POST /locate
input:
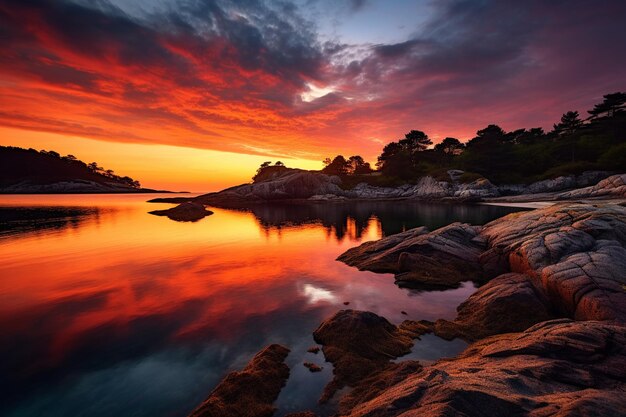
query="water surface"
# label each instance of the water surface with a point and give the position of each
(107, 310)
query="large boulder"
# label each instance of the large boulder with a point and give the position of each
(443, 258)
(508, 303)
(250, 392)
(574, 253)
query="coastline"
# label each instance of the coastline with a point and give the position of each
(551, 295)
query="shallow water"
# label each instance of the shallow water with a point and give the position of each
(107, 310)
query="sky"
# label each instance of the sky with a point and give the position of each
(195, 94)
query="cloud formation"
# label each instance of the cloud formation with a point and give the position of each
(224, 76)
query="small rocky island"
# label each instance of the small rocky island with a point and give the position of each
(547, 326)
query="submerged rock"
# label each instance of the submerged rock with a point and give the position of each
(312, 367)
(250, 392)
(361, 346)
(185, 212)
(360, 343)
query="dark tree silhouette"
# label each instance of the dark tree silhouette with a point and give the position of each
(415, 141)
(358, 166)
(338, 166)
(449, 146)
(570, 124)
(612, 104)
(17, 164)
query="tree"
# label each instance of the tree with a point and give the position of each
(279, 164)
(327, 161)
(415, 141)
(613, 103)
(449, 146)
(357, 166)
(338, 166)
(570, 123)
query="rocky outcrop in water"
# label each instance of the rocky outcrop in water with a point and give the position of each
(250, 392)
(291, 184)
(185, 212)
(549, 330)
(445, 257)
(557, 368)
(571, 256)
(313, 186)
(360, 344)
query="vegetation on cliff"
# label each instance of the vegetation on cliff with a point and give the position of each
(597, 142)
(46, 167)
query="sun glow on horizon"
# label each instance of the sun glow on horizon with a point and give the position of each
(166, 167)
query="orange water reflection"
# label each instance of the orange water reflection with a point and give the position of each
(120, 287)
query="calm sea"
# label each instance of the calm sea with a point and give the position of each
(106, 310)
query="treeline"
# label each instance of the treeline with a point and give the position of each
(19, 164)
(574, 145)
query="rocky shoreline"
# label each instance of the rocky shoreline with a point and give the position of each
(547, 326)
(309, 187)
(76, 186)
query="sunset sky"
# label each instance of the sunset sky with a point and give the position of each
(196, 94)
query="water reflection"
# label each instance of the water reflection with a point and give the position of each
(123, 313)
(22, 220)
(352, 219)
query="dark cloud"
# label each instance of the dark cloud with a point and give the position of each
(206, 68)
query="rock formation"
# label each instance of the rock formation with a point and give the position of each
(612, 187)
(291, 184)
(185, 212)
(445, 257)
(557, 368)
(250, 392)
(548, 330)
(313, 186)
(360, 344)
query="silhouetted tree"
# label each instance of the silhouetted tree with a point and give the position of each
(338, 166)
(415, 141)
(279, 164)
(570, 124)
(357, 166)
(613, 103)
(449, 146)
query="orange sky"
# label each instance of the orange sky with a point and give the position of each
(166, 167)
(195, 95)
